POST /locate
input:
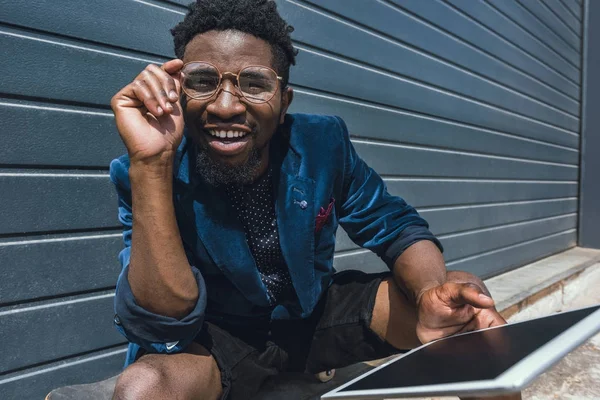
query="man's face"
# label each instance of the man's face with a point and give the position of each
(232, 159)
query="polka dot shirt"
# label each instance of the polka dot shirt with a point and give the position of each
(255, 208)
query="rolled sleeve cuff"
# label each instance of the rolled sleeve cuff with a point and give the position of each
(153, 332)
(410, 236)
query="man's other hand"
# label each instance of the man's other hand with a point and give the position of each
(453, 308)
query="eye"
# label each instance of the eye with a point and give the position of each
(201, 83)
(256, 86)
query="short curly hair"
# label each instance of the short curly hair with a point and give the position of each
(256, 17)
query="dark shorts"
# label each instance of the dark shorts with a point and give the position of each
(336, 335)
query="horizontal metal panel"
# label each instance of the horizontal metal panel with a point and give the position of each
(93, 23)
(498, 261)
(34, 202)
(70, 72)
(395, 23)
(510, 35)
(64, 194)
(452, 192)
(509, 42)
(463, 200)
(91, 85)
(45, 134)
(52, 135)
(409, 95)
(384, 123)
(446, 220)
(565, 15)
(361, 260)
(402, 160)
(57, 329)
(58, 265)
(36, 383)
(184, 3)
(574, 7)
(546, 36)
(108, 22)
(466, 244)
(553, 22)
(484, 265)
(345, 39)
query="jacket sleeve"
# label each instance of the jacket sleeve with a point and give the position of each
(155, 333)
(373, 218)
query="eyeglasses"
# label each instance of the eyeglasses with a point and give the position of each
(257, 84)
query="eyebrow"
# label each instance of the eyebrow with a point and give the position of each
(198, 71)
(253, 74)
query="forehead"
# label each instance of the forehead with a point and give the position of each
(229, 50)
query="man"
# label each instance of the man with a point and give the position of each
(230, 207)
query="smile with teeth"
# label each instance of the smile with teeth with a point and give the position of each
(227, 134)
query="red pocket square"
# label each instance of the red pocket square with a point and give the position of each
(323, 216)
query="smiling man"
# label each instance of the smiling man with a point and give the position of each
(230, 207)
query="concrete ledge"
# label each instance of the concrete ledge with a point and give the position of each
(518, 289)
(577, 291)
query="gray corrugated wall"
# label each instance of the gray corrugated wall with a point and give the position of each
(469, 110)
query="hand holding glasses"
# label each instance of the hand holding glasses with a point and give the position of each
(148, 113)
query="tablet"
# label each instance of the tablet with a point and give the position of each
(499, 360)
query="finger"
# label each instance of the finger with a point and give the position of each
(169, 87)
(468, 293)
(484, 319)
(471, 326)
(155, 83)
(481, 320)
(426, 335)
(172, 66)
(146, 96)
(494, 318)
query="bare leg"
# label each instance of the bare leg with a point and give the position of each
(190, 375)
(395, 318)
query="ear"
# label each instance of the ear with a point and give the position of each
(287, 95)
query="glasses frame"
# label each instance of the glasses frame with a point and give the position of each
(236, 83)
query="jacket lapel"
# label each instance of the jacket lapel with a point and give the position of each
(294, 206)
(221, 233)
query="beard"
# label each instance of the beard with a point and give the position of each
(219, 173)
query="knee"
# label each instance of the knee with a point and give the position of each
(139, 381)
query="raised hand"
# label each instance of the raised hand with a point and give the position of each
(148, 113)
(453, 308)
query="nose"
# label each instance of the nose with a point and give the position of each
(227, 104)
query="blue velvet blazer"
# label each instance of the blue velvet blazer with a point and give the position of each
(319, 183)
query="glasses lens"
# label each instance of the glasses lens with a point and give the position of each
(200, 79)
(258, 84)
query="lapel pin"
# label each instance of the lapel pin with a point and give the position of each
(303, 204)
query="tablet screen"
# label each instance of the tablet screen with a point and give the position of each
(476, 356)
